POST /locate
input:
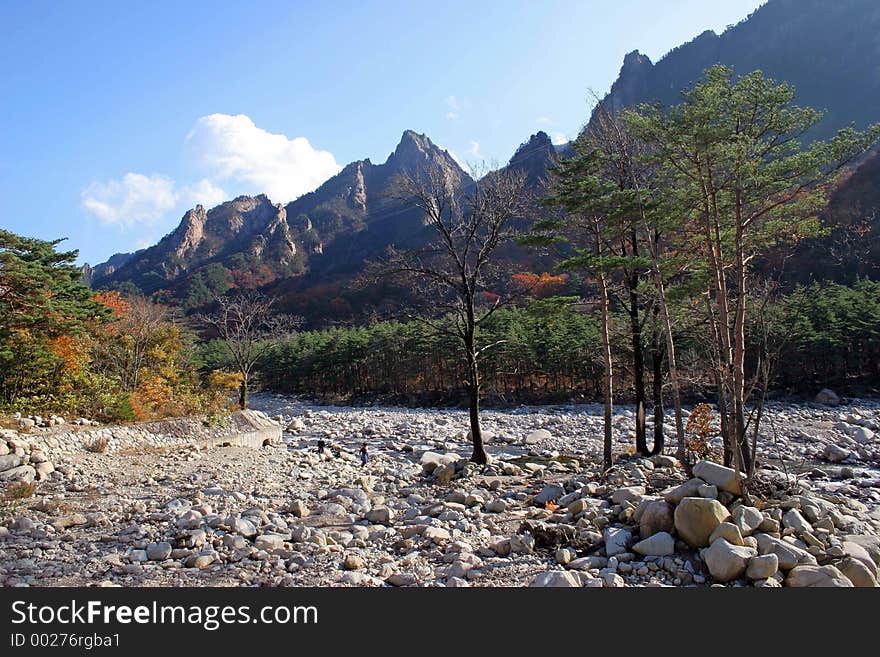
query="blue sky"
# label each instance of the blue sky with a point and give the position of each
(119, 116)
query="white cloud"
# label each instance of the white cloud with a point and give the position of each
(204, 192)
(138, 199)
(559, 138)
(474, 150)
(134, 199)
(233, 149)
(544, 120)
(454, 107)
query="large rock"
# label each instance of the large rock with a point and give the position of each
(729, 532)
(834, 453)
(631, 494)
(762, 567)
(158, 551)
(617, 540)
(269, 542)
(537, 436)
(817, 577)
(656, 517)
(430, 461)
(747, 519)
(24, 473)
(859, 552)
(557, 578)
(857, 573)
(790, 556)
(828, 397)
(796, 521)
(718, 475)
(549, 493)
(689, 488)
(696, 518)
(725, 560)
(660, 544)
(9, 461)
(380, 514)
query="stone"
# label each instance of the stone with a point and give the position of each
(727, 531)
(747, 519)
(762, 567)
(380, 514)
(859, 552)
(588, 563)
(430, 461)
(827, 397)
(796, 521)
(200, 561)
(269, 542)
(817, 577)
(862, 435)
(725, 560)
(617, 540)
(295, 425)
(631, 494)
(496, 506)
(401, 579)
(537, 436)
(565, 556)
(243, 527)
(549, 493)
(23, 473)
(790, 556)
(522, 544)
(718, 475)
(445, 474)
(696, 518)
(44, 469)
(857, 573)
(664, 461)
(659, 544)
(353, 562)
(834, 453)
(656, 517)
(687, 489)
(556, 578)
(436, 534)
(579, 506)
(298, 508)
(159, 551)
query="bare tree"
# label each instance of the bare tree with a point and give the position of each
(249, 329)
(455, 270)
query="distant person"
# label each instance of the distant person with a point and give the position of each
(321, 445)
(363, 454)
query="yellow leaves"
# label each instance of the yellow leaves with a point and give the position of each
(223, 380)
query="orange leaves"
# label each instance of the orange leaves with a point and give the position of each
(540, 286)
(72, 351)
(114, 302)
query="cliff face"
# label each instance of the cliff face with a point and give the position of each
(827, 50)
(353, 215)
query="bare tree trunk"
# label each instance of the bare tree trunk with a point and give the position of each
(638, 369)
(608, 383)
(657, 362)
(670, 359)
(243, 392)
(479, 454)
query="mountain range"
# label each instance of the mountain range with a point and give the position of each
(308, 251)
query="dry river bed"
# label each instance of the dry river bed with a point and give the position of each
(541, 514)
